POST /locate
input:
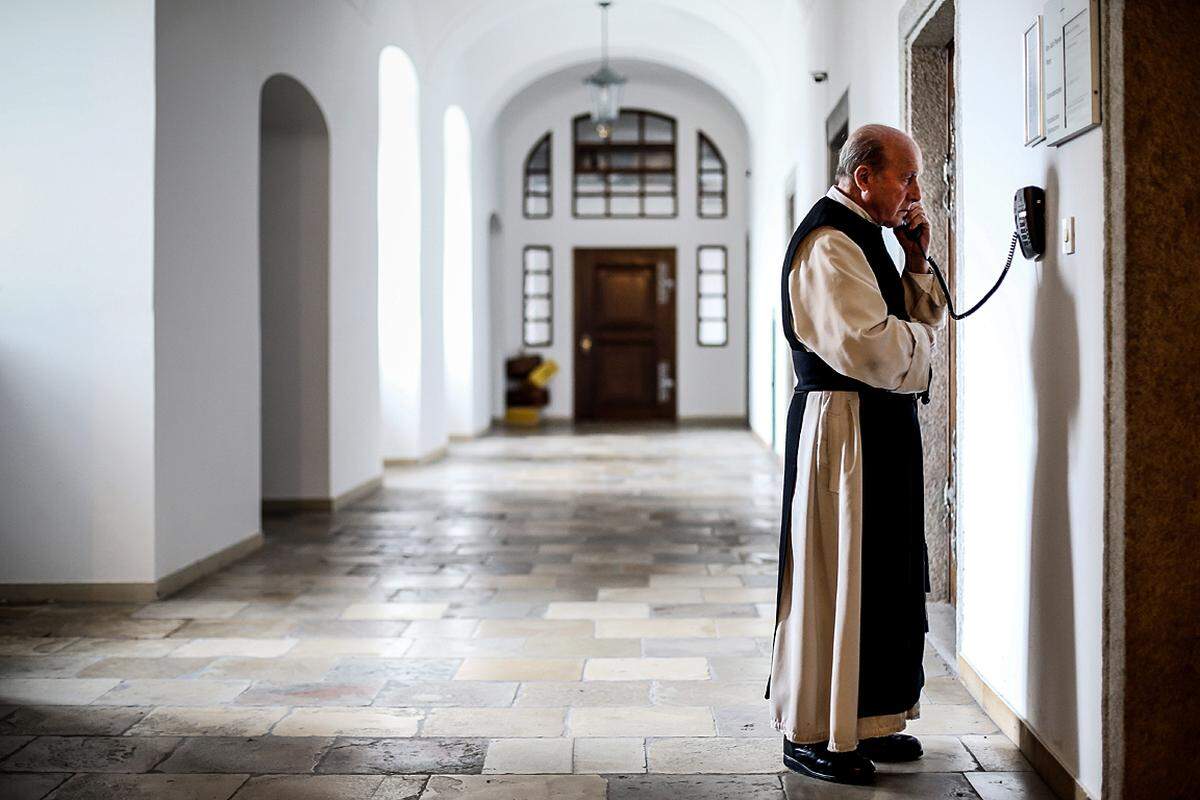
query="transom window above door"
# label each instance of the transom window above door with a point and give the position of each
(629, 174)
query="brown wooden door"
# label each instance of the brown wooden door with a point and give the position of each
(624, 334)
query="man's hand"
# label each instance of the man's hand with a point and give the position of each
(914, 220)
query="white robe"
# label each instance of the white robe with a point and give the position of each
(839, 314)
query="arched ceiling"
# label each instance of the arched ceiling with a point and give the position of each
(486, 51)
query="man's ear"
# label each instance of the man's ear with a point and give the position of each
(862, 177)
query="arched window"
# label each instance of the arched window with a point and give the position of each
(711, 179)
(629, 174)
(538, 192)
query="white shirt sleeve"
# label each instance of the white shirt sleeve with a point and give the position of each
(839, 314)
(923, 298)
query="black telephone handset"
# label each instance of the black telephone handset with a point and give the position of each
(1029, 215)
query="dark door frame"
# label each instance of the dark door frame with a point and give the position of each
(664, 261)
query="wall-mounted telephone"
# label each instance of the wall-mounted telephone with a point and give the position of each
(1029, 216)
(1029, 212)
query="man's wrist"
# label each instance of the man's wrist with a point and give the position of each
(917, 264)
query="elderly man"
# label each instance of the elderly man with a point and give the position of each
(853, 571)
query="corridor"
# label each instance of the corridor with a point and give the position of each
(568, 614)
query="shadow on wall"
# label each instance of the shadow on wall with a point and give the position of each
(1054, 354)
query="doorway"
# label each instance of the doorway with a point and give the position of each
(930, 118)
(293, 225)
(625, 334)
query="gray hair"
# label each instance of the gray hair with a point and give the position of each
(866, 147)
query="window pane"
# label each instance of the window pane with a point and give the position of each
(624, 182)
(712, 182)
(712, 206)
(661, 159)
(708, 160)
(586, 206)
(537, 283)
(539, 160)
(622, 205)
(659, 130)
(537, 308)
(660, 183)
(657, 206)
(712, 308)
(537, 334)
(713, 334)
(626, 129)
(712, 259)
(585, 131)
(537, 206)
(589, 183)
(538, 183)
(537, 259)
(624, 159)
(712, 283)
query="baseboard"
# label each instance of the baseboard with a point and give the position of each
(319, 505)
(428, 458)
(169, 584)
(131, 592)
(717, 421)
(1044, 762)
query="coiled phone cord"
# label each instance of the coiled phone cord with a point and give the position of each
(937, 273)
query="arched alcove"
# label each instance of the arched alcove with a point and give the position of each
(293, 216)
(458, 295)
(399, 231)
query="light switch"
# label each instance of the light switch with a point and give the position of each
(1068, 235)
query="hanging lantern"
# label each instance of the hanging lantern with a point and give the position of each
(605, 85)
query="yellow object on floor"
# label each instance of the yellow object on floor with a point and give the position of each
(523, 416)
(542, 373)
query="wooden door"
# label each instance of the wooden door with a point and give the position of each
(624, 334)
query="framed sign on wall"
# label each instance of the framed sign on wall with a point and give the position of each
(1035, 108)
(1071, 68)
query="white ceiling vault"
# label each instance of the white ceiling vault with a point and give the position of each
(485, 52)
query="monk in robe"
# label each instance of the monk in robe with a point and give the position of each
(850, 626)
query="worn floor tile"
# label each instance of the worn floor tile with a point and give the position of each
(494, 722)
(395, 611)
(520, 669)
(657, 628)
(308, 787)
(446, 756)
(401, 787)
(632, 669)
(280, 628)
(318, 693)
(679, 787)
(29, 786)
(945, 690)
(349, 722)
(462, 648)
(500, 787)
(366, 668)
(124, 648)
(554, 647)
(598, 611)
(942, 754)
(633, 721)
(183, 692)
(215, 721)
(260, 754)
(528, 756)
(448, 629)
(1009, 786)
(465, 694)
(951, 720)
(33, 645)
(322, 647)
(753, 721)
(160, 668)
(597, 756)
(995, 752)
(150, 787)
(245, 648)
(922, 786)
(53, 691)
(90, 754)
(71, 720)
(527, 628)
(714, 647)
(714, 755)
(647, 595)
(189, 609)
(553, 694)
(57, 666)
(273, 670)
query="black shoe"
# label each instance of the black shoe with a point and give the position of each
(894, 747)
(816, 761)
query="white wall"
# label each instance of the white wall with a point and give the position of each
(711, 380)
(213, 60)
(76, 315)
(1030, 443)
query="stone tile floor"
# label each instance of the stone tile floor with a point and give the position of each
(566, 615)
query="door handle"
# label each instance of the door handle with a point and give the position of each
(585, 343)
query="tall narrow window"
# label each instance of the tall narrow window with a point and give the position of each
(711, 179)
(538, 192)
(712, 296)
(629, 174)
(537, 296)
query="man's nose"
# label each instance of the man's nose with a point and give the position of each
(914, 194)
